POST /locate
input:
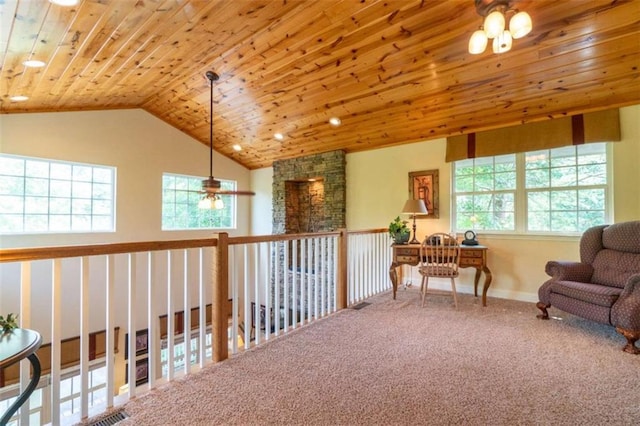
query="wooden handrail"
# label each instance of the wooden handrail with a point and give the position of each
(280, 237)
(42, 253)
(56, 252)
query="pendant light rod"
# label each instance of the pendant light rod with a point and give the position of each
(212, 76)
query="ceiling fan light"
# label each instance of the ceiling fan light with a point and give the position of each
(503, 42)
(205, 203)
(494, 24)
(477, 42)
(520, 25)
(218, 203)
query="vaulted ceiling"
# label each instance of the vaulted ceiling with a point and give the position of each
(393, 71)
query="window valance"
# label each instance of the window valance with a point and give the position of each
(599, 126)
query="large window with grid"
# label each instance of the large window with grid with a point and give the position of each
(180, 197)
(555, 191)
(39, 195)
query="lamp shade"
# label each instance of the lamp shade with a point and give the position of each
(520, 25)
(477, 42)
(415, 207)
(503, 42)
(494, 24)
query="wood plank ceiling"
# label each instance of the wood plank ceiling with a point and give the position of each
(393, 71)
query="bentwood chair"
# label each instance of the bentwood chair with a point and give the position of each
(439, 258)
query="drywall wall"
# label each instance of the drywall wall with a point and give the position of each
(140, 146)
(377, 187)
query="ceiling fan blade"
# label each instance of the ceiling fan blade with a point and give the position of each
(224, 192)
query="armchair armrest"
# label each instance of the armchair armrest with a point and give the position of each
(625, 313)
(569, 271)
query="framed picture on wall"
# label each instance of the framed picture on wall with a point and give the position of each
(142, 372)
(424, 185)
(142, 343)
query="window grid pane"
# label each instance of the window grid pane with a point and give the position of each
(180, 197)
(564, 191)
(485, 189)
(41, 196)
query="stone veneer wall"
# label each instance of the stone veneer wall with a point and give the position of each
(331, 168)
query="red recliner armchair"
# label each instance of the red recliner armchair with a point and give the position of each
(605, 285)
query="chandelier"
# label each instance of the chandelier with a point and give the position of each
(494, 26)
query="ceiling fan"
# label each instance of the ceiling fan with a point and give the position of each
(211, 187)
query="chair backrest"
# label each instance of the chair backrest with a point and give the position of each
(440, 255)
(613, 251)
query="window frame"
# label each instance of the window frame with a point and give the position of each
(521, 198)
(72, 199)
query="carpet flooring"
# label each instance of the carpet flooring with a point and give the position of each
(395, 363)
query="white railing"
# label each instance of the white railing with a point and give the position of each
(197, 286)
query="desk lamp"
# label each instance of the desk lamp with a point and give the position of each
(414, 207)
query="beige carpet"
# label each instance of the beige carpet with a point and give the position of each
(395, 363)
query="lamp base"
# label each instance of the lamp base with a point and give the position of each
(414, 240)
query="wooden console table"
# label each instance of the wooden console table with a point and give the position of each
(15, 346)
(470, 257)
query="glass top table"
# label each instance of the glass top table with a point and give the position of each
(16, 345)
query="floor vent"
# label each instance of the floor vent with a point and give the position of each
(111, 419)
(360, 305)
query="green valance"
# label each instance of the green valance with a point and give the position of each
(599, 126)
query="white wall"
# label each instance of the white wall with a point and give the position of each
(262, 203)
(377, 187)
(140, 146)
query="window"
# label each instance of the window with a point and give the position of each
(39, 196)
(180, 197)
(562, 190)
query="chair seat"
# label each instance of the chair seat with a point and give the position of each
(440, 271)
(587, 292)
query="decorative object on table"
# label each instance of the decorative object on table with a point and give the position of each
(9, 323)
(470, 238)
(415, 207)
(424, 185)
(399, 231)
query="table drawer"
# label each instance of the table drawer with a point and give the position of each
(470, 253)
(470, 261)
(408, 259)
(408, 252)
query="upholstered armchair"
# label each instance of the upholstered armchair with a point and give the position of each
(605, 285)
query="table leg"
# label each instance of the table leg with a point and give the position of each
(35, 378)
(487, 283)
(476, 280)
(393, 275)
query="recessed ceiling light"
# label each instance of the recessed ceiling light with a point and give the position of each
(65, 2)
(237, 147)
(335, 121)
(33, 63)
(278, 136)
(19, 98)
